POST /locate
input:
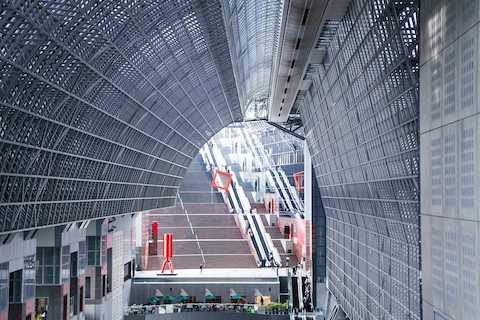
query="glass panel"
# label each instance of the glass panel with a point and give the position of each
(29, 278)
(4, 279)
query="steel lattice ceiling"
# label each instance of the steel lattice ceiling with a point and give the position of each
(103, 105)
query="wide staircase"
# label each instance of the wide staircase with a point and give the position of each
(204, 231)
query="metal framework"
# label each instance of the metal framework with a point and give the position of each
(103, 105)
(362, 128)
(253, 30)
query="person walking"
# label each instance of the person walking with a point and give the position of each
(201, 268)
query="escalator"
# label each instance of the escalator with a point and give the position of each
(253, 240)
(278, 185)
(294, 294)
(262, 239)
(289, 193)
(237, 198)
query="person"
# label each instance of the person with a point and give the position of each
(261, 301)
(273, 264)
(201, 268)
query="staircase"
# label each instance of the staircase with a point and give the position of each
(196, 186)
(274, 231)
(204, 231)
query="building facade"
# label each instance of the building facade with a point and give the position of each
(103, 106)
(449, 133)
(361, 123)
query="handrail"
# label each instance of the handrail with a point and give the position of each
(272, 183)
(283, 192)
(256, 235)
(291, 193)
(273, 249)
(285, 189)
(253, 148)
(219, 161)
(238, 189)
(260, 234)
(231, 194)
(236, 202)
(243, 222)
(217, 155)
(279, 182)
(300, 290)
(253, 240)
(210, 161)
(267, 159)
(259, 237)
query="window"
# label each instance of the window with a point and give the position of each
(74, 264)
(29, 277)
(88, 282)
(127, 271)
(65, 264)
(104, 249)
(48, 265)
(81, 258)
(72, 306)
(15, 287)
(104, 285)
(109, 270)
(3, 287)
(93, 250)
(81, 302)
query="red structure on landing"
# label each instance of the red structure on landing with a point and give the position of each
(221, 180)
(167, 251)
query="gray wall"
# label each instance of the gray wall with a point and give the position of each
(450, 159)
(360, 117)
(15, 251)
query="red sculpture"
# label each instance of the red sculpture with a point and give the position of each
(167, 251)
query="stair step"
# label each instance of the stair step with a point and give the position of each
(202, 229)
